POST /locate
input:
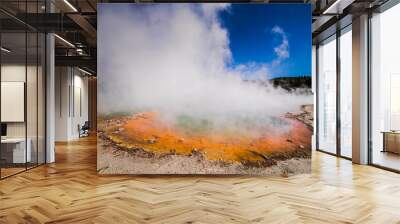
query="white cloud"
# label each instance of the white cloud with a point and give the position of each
(282, 50)
(174, 58)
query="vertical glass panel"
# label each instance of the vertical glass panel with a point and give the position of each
(31, 87)
(385, 87)
(31, 98)
(346, 93)
(327, 95)
(13, 86)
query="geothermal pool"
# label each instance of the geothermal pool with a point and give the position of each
(242, 142)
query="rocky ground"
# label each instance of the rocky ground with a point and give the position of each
(305, 116)
(116, 161)
(113, 159)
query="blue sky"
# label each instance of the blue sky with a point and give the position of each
(275, 36)
(252, 40)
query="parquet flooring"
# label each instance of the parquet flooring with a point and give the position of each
(70, 191)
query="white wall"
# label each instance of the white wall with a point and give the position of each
(12, 73)
(62, 81)
(33, 127)
(70, 84)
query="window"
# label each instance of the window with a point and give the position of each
(346, 92)
(385, 89)
(327, 95)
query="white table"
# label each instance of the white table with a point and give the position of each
(19, 154)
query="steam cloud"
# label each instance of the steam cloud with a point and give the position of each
(174, 58)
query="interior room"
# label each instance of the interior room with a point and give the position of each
(22, 104)
(142, 111)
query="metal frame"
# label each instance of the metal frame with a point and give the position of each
(316, 97)
(26, 89)
(369, 90)
(338, 98)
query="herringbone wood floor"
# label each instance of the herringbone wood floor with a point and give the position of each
(70, 191)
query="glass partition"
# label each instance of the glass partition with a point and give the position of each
(327, 95)
(346, 92)
(13, 145)
(22, 101)
(31, 97)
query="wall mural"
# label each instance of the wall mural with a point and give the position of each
(204, 89)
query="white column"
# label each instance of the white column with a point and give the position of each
(360, 90)
(50, 99)
(50, 92)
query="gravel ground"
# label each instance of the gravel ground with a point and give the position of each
(117, 161)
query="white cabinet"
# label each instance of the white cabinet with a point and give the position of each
(17, 147)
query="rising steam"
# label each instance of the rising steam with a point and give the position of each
(175, 59)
